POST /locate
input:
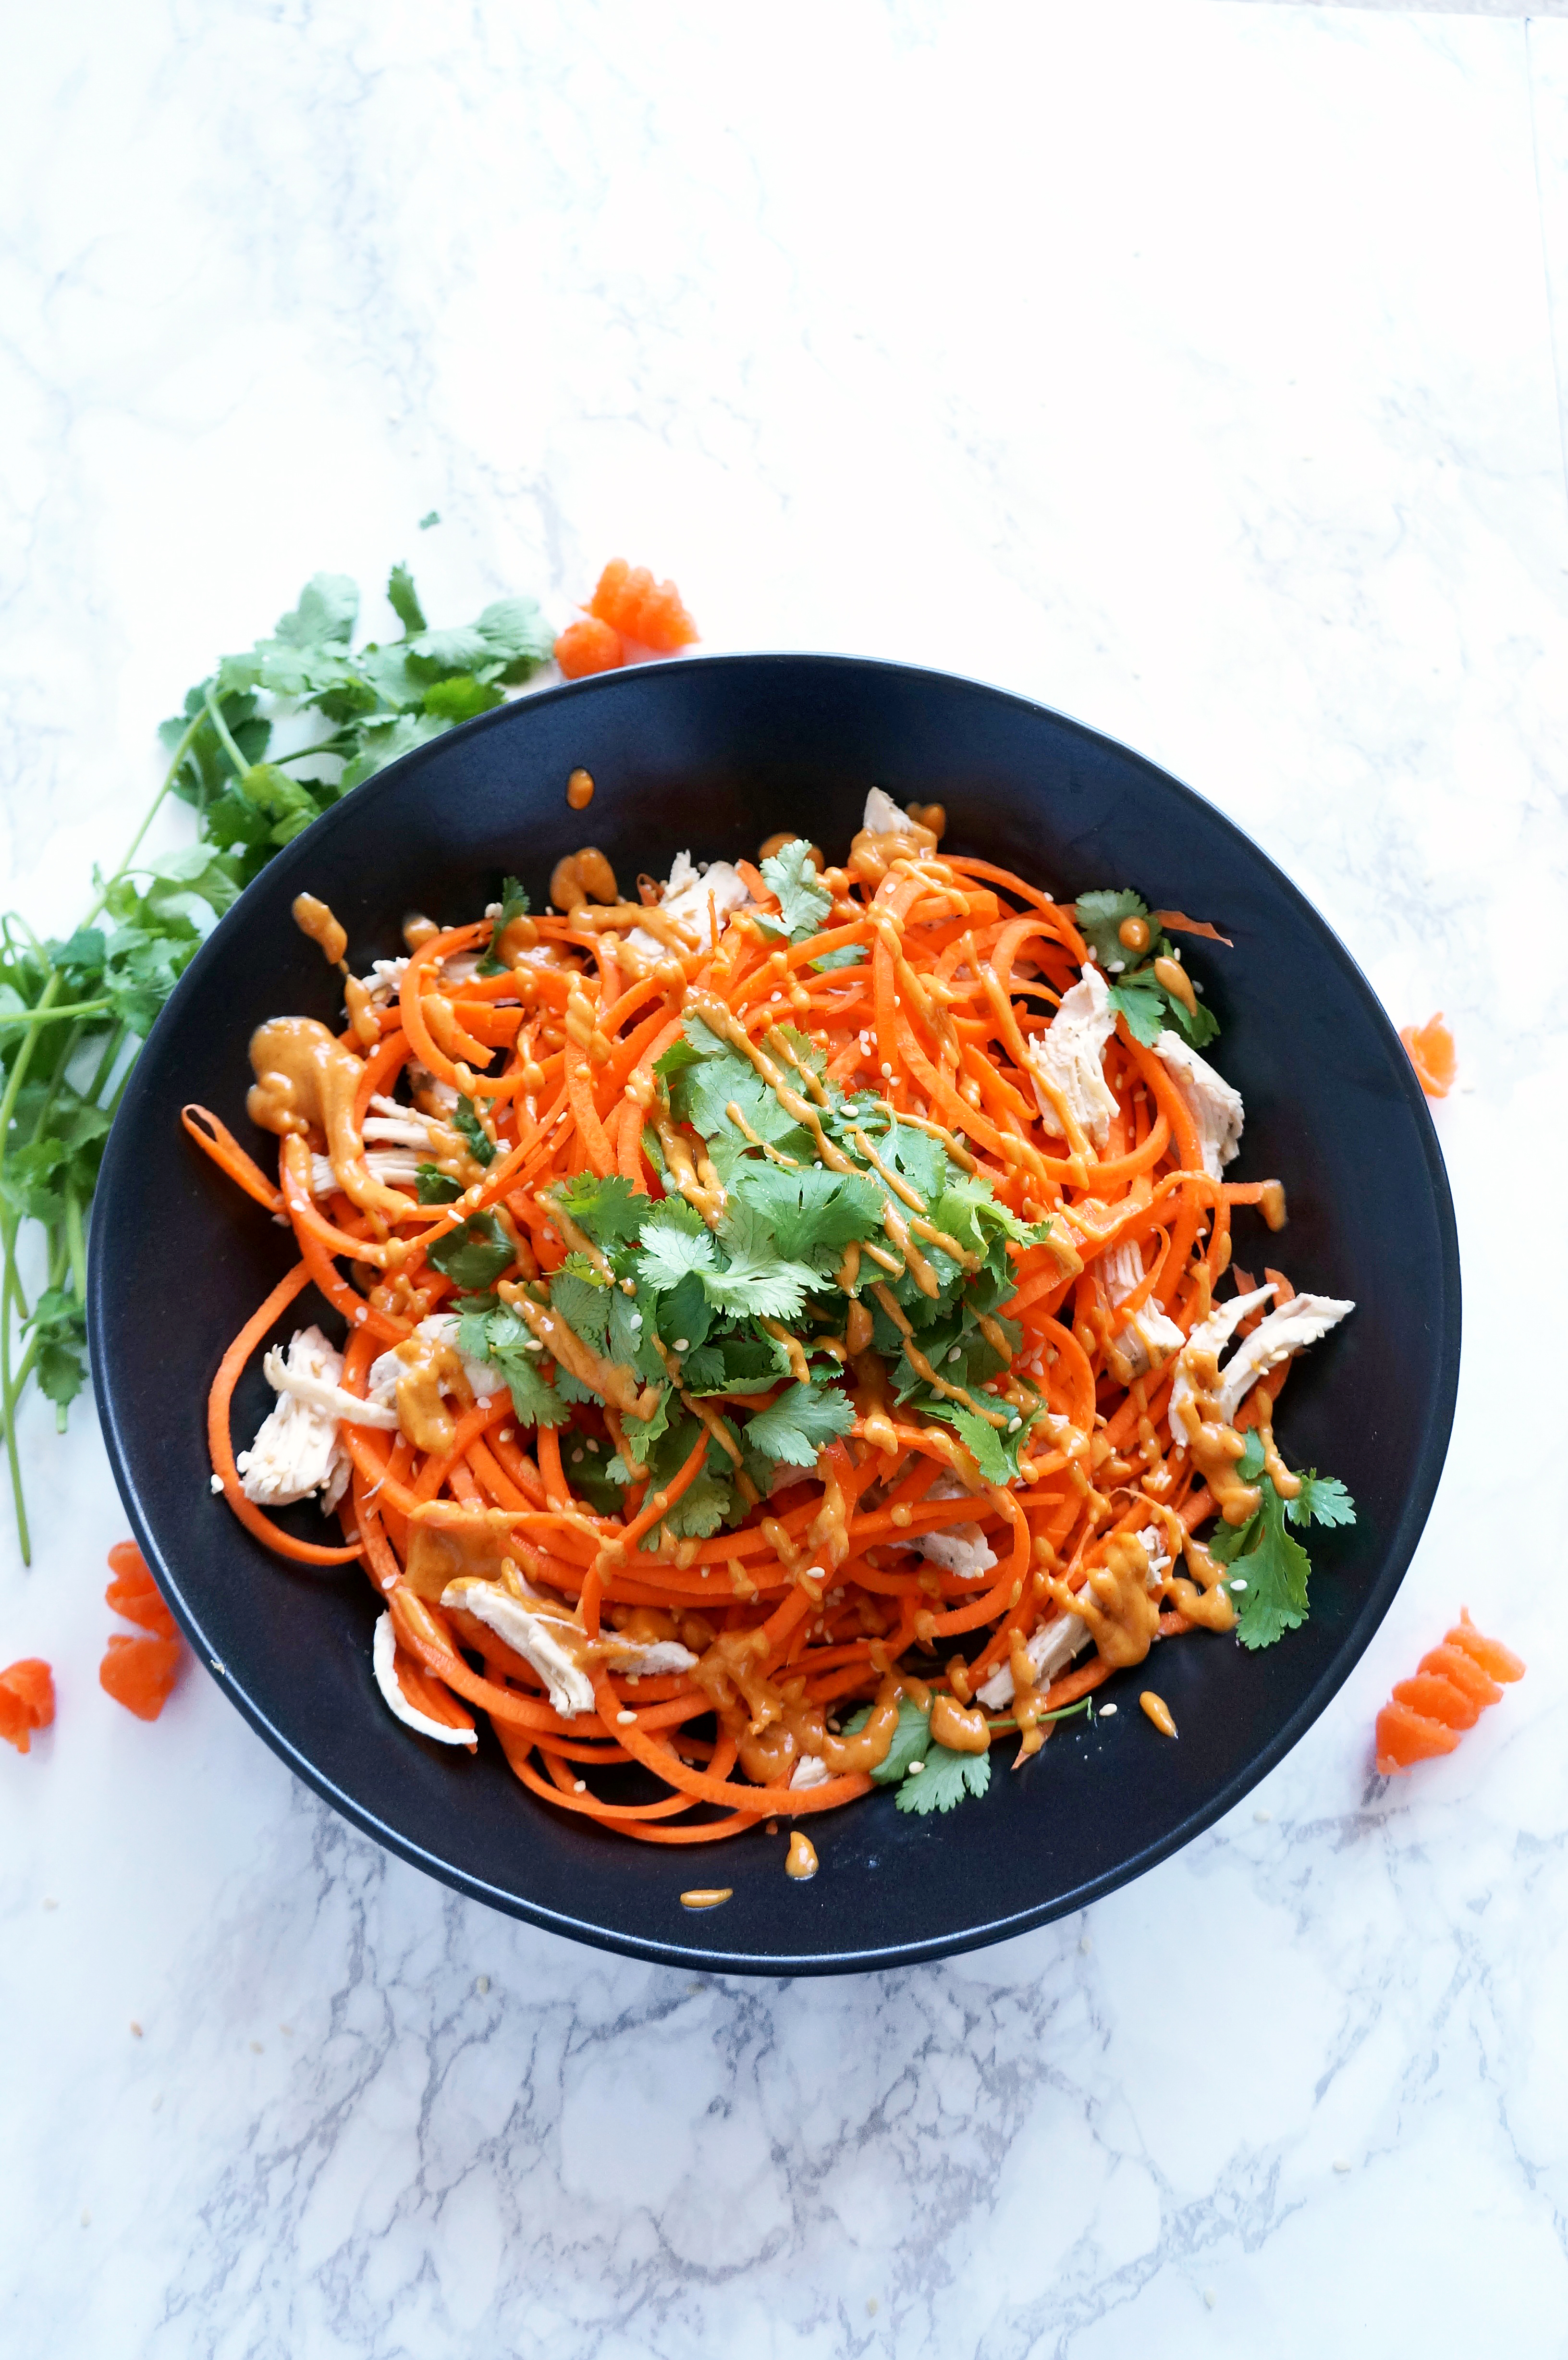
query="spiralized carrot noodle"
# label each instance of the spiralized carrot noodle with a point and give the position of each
(759, 1304)
(1453, 1685)
(1432, 1053)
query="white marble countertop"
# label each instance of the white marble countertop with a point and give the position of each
(1189, 367)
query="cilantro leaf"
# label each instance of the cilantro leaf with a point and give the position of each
(404, 600)
(1249, 1466)
(465, 1117)
(1100, 916)
(846, 954)
(631, 1336)
(811, 1211)
(799, 1423)
(911, 1739)
(755, 1281)
(943, 1781)
(433, 1186)
(607, 1210)
(1275, 1570)
(326, 615)
(504, 1339)
(514, 904)
(668, 1251)
(475, 1254)
(697, 1514)
(983, 1439)
(1322, 1500)
(582, 1300)
(1145, 1006)
(803, 901)
(1197, 1027)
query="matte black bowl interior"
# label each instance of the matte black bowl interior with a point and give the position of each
(712, 754)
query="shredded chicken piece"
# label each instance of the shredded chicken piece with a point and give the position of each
(1050, 1648)
(1302, 1321)
(533, 1635)
(961, 1549)
(686, 898)
(1209, 1098)
(384, 1662)
(484, 1381)
(297, 1451)
(1209, 1338)
(1069, 1054)
(1149, 1334)
(811, 1770)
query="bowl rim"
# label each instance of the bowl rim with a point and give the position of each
(1395, 1554)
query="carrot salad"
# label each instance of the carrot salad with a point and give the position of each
(773, 1333)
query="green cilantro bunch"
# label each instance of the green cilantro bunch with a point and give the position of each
(704, 1312)
(73, 1012)
(1150, 1006)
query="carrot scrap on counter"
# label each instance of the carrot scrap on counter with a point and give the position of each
(1453, 1685)
(139, 1673)
(27, 1700)
(1432, 1053)
(628, 597)
(588, 647)
(134, 1594)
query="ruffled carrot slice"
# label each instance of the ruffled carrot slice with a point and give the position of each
(140, 1672)
(27, 1700)
(137, 1597)
(588, 647)
(1432, 1053)
(1439, 1699)
(1501, 1661)
(628, 597)
(1452, 1664)
(1404, 1737)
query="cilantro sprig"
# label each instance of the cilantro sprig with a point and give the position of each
(1150, 1006)
(264, 745)
(1269, 1570)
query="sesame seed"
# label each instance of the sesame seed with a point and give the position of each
(1239, 1584)
(886, 1072)
(915, 1768)
(577, 1458)
(1105, 1712)
(682, 1343)
(626, 1719)
(579, 1785)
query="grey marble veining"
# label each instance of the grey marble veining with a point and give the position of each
(1191, 366)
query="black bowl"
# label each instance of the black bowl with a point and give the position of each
(712, 755)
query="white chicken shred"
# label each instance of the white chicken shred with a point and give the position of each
(1149, 1335)
(1304, 1321)
(441, 1328)
(1209, 1098)
(691, 897)
(297, 1451)
(384, 1662)
(811, 1770)
(1069, 1056)
(1049, 1649)
(533, 1636)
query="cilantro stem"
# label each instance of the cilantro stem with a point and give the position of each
(106, 1062)
(221, 728)
(56, 1015)
(135, 844)
(76, 1243)
(7, 1292)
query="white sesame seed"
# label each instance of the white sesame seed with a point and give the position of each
(626, 1719)
(1105, 1712)
(579, 1785)
(682, 1343)
(915, 1769)
(886, 1072)
(1239, 1584)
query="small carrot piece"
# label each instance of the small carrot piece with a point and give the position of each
(1452, 1687)
(1432, 1053)
(1404, 1737)
(1499, 1662)
(140, 1672)
(1439, 1699)
(588, 647)
(1463, 1671)
(139, 1600)
(629, 598)
(27, 1700)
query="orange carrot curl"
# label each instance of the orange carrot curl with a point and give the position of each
(1453, 1685)
(1432, 1053)
(140, 1672)
(27, 1700)
(746, 1334)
